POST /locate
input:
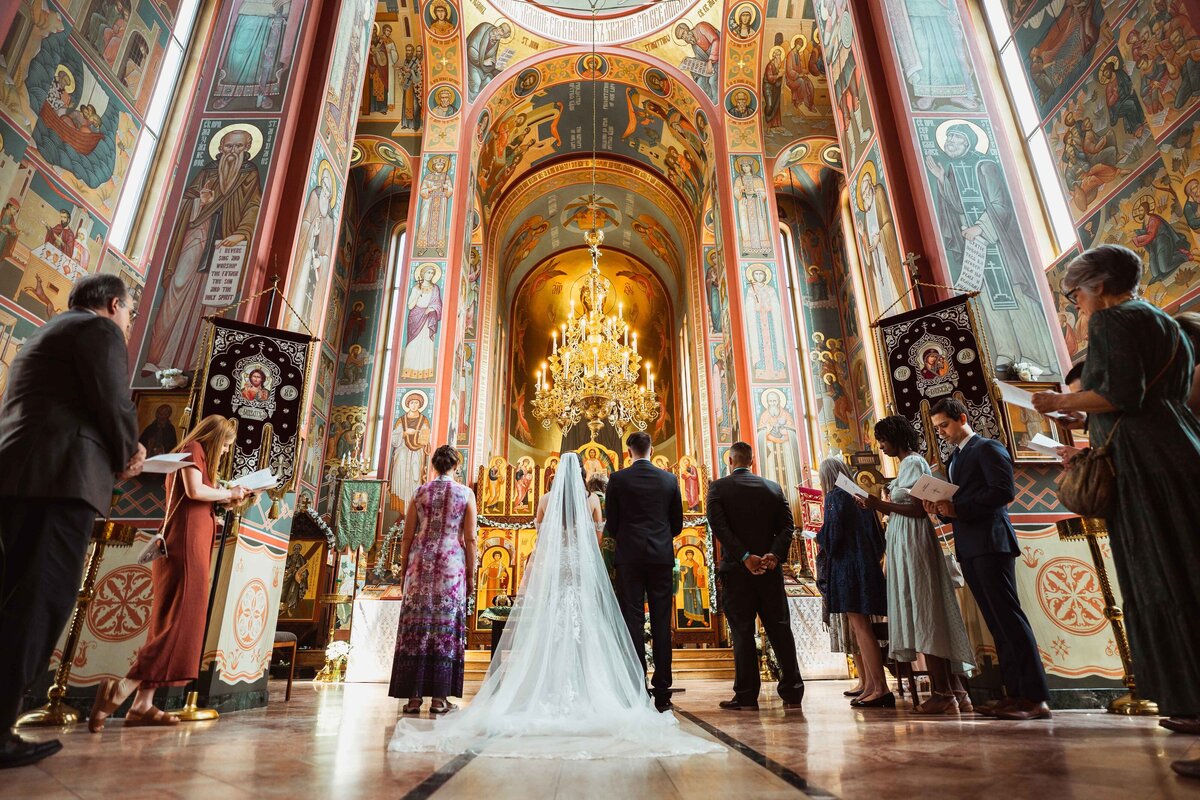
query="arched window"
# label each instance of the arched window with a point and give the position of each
(147, 150)
(395, 307)
(1037, 147)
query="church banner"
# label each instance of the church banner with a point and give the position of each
(935, 352)
(258, 376)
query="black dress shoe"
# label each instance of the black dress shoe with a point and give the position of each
(738, 705)
(1182, 725)
(663, 706)
(18, 752)
(1188, 769)
(883, 701)
(852, 693)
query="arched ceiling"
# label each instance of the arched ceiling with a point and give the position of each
(641, 114)
(548, 211)
(378, 169)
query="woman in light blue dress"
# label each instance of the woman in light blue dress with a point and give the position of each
(923, 613)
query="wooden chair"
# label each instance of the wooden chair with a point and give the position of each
(285, 641)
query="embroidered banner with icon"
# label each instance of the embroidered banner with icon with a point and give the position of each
(935, 352)
(357, 513)
(258, 376)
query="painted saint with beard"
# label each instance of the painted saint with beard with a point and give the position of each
(310, 274)
(219, 209)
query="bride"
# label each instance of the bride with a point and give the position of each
(565, 681)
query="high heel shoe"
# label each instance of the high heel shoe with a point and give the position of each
(883, 701)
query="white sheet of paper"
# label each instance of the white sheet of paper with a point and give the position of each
(1015, 395)
(807, 534)
(850, 486)
(254, 481)
(166, 463)
(933, 489)
(1044, 444)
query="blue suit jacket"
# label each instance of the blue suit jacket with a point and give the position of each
(983, 472)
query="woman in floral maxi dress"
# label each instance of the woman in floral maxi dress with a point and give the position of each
(439, 544)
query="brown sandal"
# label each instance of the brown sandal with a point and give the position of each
(154, 718)
(104, 705)
(410, 708)
(441, 707)
(938, 704)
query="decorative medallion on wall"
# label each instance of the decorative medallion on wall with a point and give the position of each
(1070, 595)
(120, 607)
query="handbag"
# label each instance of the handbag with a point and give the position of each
(952, 566)
(156, 548)
(1089, 487)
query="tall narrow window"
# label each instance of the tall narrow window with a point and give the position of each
(391, 332)
(144, 152)
(1045, 174)
(685, 383)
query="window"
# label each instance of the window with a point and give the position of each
(685, 379)
(792, 273)
(148, 140)
(390, 331)
(1045, 173)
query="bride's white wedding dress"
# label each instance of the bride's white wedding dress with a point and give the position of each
(565, 682)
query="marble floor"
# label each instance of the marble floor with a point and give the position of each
(329, 742)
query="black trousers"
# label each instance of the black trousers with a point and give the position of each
(745, 596)
(992, 579)
(639, 585)
(42, 547)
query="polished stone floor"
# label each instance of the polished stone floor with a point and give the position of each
(329, 742)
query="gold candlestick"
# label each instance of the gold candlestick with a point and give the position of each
(1093, 530)
(57, 713)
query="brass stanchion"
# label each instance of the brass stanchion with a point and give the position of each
(1093, 530)
(332, 672)
(57, 713)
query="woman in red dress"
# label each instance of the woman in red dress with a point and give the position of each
(171, 654)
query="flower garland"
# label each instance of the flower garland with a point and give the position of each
(385, 565)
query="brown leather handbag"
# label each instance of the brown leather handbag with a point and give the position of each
(1089, 487)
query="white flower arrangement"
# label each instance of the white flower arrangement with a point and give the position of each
(171, 378)
(336, 651)
(1026, 371)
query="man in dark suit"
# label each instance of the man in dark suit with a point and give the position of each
(751, 519)
(67, 427)
(645, 514)
(986, 546)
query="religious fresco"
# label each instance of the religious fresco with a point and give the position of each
(409, 445)
(210, 236)
(346, 72)
(883, 268)
(540, 306)
(311, 272)
(851, 105)
(750, 208)
(423, 310)
(1146, 215)
(1160, 42)
(394, 90)
(258, 50)
(129, 38)
(968, 184)
(793, 86)
(776, 436)
(932, 50)
(762, 309)
(1072, 321)
(1059, 40)
(54, 95)
(432, 232)
(488, 53)
(1099, 151)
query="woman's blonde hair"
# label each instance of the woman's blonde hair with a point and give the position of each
(211, 434)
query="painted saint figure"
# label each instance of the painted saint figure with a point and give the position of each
(219, 209)
(434, 214)
(878, 233)
(765, 327)
(424, 317)
(750, 199)
(705, 41)
(316, 244)
(483, 51)
(411, 437)
(777, 440)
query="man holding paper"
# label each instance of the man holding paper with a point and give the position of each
(986, 546)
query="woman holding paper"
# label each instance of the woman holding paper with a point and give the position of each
(1135, 391)
(923, 613)
(853, 544)
(171, 654)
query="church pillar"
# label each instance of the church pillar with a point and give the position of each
(278, 90)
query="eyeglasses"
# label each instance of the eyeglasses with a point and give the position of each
(1071, 296)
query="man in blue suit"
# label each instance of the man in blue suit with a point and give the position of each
(986, 546)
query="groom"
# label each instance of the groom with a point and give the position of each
(645, 514)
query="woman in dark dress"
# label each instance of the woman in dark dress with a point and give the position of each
(171, 654)
(1139, 374)
(853, 544)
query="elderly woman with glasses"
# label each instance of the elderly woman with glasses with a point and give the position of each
(1135, 391)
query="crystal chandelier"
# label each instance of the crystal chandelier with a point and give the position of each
(593, 373)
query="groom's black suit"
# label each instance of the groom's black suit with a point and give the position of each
(644, 515)
(749, 516)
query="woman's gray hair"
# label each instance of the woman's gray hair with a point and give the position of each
(1110, 268)
(829, 470)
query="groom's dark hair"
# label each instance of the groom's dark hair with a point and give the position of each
(638, 443)
(740, 454)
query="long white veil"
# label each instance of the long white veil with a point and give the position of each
(565, 682)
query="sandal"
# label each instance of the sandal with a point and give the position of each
(409, 708)
(938, 704)
(441, 707)
(104, 705)
(154, 718)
